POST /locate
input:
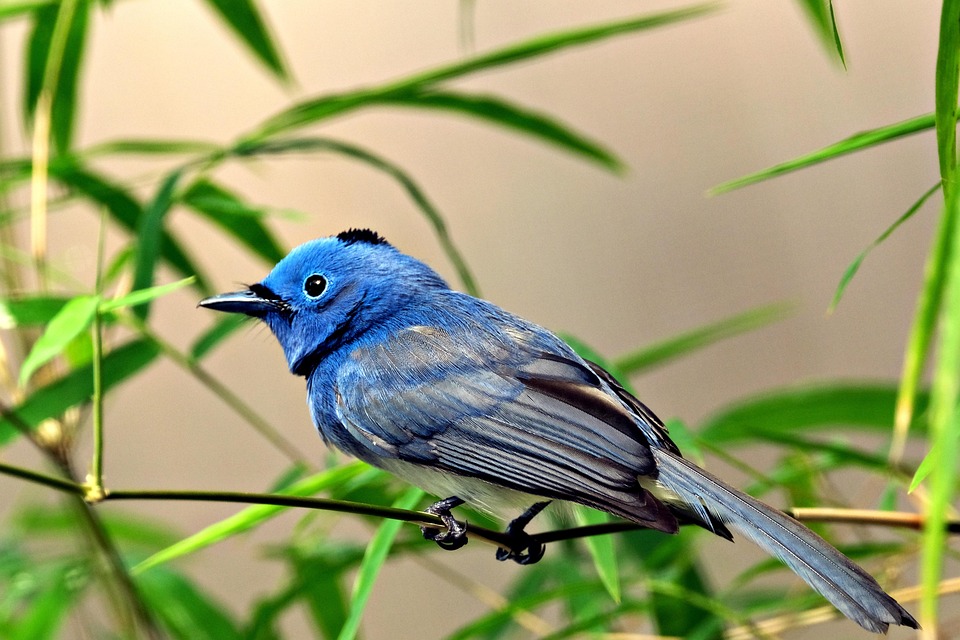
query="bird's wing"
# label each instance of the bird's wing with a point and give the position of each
(503, 409)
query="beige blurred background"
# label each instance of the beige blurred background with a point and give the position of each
(619, 261)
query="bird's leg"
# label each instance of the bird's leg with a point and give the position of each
(456, 534)
(523, 541)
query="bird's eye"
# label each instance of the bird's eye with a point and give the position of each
(315, 285)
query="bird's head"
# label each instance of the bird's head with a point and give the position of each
(329, 291)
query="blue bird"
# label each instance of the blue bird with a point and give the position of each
(474, 404)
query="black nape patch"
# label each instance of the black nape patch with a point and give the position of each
(367, 236)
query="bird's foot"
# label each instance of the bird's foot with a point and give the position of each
(524, 548)
(455, 535)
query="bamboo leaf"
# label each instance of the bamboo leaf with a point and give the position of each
(316, 109)
(142, 296)
(222, 329)
(143, 146)
(373, 560)
(820, 13)
(65, 82)
(944, 412)
(244, 19)
(686, 343)
(126, 211)
(73, 319)
(14, 8)
(234, 216)
(601, 550)
(29, 312)
(511, 116)
(251, 516)
(45, 615)
(820, 406)
(855, 265)
(150, 234)
(186, 612)
(76, 387)
(856, 142)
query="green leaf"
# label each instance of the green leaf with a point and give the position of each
(76, 387)
(820, 13)
(222, 329)
(141, 296)
(29, 312)
(508, 115)
(601, 550)
(855, 265)
(373, 560)
(66, 69)
(251, 516)
(151, 147)
(73, 319)
(945, 386)
(150, 234)
(856, 142)
(185, 611)
(13, 8)
(243, 17)
(126, 211)
(414, 192)
(824, 405)
(686, 343)
(38, 521)
(319, 577)
(314, 110)
(671, 558)
(234, 216)
(47, 610)
(947, 85)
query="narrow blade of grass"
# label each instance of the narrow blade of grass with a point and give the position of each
(856, 142)
(373, 560)
(601, 550)
(250, 517)
(73, 319)
(851, 270)
(244, 19)
(686, 343)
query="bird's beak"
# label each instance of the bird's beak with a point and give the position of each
(246, 301)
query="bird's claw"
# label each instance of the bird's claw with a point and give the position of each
(524, 549)
(455, 535)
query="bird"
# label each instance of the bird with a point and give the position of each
(476, 405)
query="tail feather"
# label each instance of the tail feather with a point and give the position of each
(848, 587)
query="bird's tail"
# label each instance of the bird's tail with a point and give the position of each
(848, 587)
